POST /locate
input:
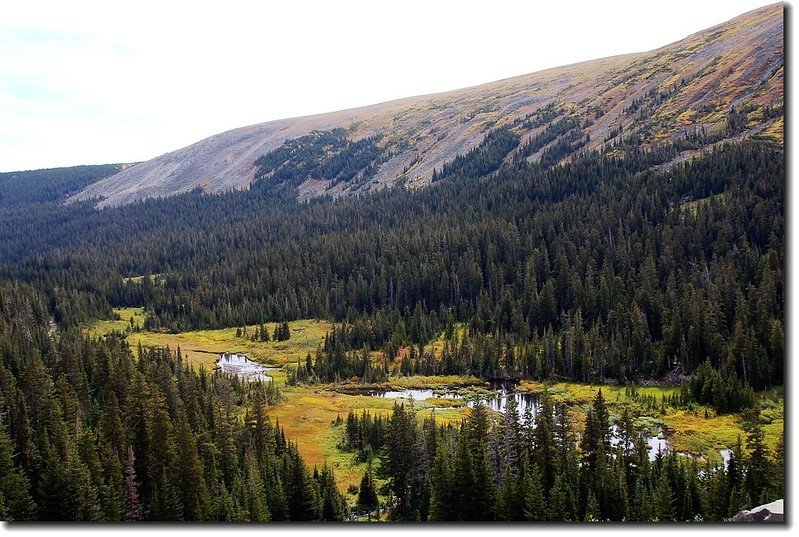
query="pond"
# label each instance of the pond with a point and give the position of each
(657, 444)
(416, 395)
(726, 455)
(498, 402)
(243, 367)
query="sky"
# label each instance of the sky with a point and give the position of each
(87, 82)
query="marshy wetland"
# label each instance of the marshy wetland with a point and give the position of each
(308, 413)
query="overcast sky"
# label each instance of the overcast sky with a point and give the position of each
(85, 82)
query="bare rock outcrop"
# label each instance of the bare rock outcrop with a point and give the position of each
(770, 512)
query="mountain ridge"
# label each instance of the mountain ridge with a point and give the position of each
(697, 85)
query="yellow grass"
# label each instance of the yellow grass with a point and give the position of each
(687, 117)
(307, 415)
(437, 346)
(577, 393)
(693, 433)
(693, 206)
(100, 328)
(202, 347)
(155, 278)
(433, 381)
(775, 131)
(689, 431)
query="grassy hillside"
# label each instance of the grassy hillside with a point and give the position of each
(719, 83)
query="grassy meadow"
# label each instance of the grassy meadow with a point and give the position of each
(202, 347)
(308, 413)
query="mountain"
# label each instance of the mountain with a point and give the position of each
(725, 82)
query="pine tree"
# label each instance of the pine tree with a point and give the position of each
(559, 508)
(545, 449)
(643, 503)
(164, 503)
(483, 490)
(664, 500)
(779, 468)
(757, 467)
(367, 495)
(397, 458)
(189, 471)
(285, 331)
(592, 513)
(334, 505)
(254, 500)
(535, 505)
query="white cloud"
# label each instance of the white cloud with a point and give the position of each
(84, 82)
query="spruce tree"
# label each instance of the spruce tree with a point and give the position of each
(664, 500)
(757, 467)
(535, 505)
(189, 471)
(367, 494)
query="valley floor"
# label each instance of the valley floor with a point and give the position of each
(308, 413)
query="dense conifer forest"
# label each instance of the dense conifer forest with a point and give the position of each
(95, 430)
(606, 268)
(555, 297)
(535, 469)
(624, 271)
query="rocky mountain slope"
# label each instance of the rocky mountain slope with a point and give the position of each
(722, 83)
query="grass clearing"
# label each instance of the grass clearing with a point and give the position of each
(577, 393)
(433, 381)
(307, 417)
(308, 413)
(100, 328)
(202, 347)
(693, 207)
(776, 131)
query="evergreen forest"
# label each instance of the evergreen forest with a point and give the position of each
(612, 267)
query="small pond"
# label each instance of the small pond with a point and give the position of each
(498, 402)
(657, 443)
(243, 367)
(416, 395)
